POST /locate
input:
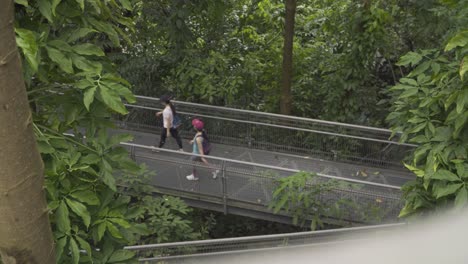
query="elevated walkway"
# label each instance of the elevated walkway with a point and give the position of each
(253, 150)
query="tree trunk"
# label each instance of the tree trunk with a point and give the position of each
(25, 234)
(286, 100)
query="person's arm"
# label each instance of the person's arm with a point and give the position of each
(200, 149)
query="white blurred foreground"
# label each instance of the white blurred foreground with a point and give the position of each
(441, 240)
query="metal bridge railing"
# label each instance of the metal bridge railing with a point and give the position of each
(295, 135)
(181, 252)
(251, 186)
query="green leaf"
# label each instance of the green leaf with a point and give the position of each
(46, 9)
(412, 58)
(113, 230)
(419, 139)
(88, 49)
(418, 172)
(463, 66)
(121, 255)
(126, 4)
(112, 100)
(91, 159)
(109, 180)
(460, 169)
(444, 190)
(81, 4)
(420, 69)
(418, 128)
(445, 175)
(86, 196)
(90, 67)
(60, 44)
(101, 229)
(420, 152)
(435, 67)
(409, 92)
(409, 81)
(120, 90)
(83, 84)
(462, 100)
(121, 222)
(459, 40)
(460, 124)
(62, 218)
(442, 134)
(107, 29)
(74, 251)
(281, 204)
(84, 245)
(45, 147)
(80, 33)
(26, 40)
(462, 197)
(62, 61)
(22, 2)
(80, 210)
(55, 3)
(88, 97)
(60, 245)
(407, 210)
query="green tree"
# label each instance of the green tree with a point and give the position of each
(74, 91)
(431, 108)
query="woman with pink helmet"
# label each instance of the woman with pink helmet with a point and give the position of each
(201, 146)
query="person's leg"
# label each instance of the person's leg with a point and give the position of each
(162, 140)
(214, 170)
(193, 176)
(175, 134)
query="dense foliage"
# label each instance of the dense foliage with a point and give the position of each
(74, 90)
(431, 107)
(230, 53)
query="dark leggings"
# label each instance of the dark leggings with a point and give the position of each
(174, 133)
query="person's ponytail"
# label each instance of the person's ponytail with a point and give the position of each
(172, 108)
(204, 135)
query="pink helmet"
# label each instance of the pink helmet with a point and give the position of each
(198, 124)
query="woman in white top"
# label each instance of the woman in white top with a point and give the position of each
(168, 116)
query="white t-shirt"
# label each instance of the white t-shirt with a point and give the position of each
(167, 117)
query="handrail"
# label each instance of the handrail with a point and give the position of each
(281, 126)
(261, 165)
(275, 115)
(266, 237)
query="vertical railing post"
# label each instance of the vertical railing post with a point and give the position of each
(248, 136)
(224, 186)
(132, 153)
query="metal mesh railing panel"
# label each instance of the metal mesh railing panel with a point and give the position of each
(253, 184)
(320, 139)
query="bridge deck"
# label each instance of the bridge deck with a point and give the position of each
(291, 161)
(247, 189)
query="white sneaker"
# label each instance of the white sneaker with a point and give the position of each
(191, 177)
(215, 174)
(181, 150)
